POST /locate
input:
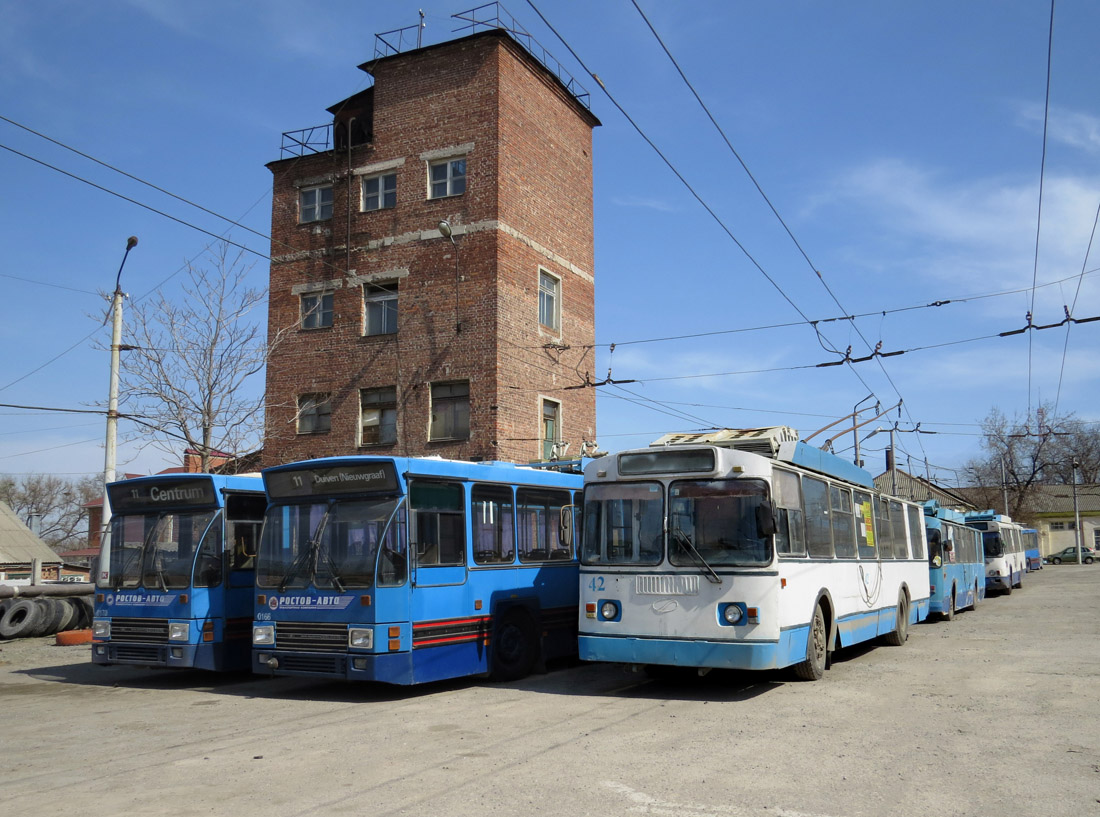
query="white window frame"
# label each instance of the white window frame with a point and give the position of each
(380, 195)
(447, 425)
(378, 408)
(314, 211)
(318, 407)
(321, 313)
(380, 293)
(451, 179)
(555, 295)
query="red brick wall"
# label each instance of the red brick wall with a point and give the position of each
(530, 169)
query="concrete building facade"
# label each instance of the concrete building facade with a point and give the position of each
(390, 336)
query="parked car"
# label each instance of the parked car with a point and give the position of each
(1088, 556)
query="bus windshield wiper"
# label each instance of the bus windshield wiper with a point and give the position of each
(685, 542)
(306, 556)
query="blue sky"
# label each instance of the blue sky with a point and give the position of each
(902, 144)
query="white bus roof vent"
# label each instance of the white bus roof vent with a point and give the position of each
(762, 441)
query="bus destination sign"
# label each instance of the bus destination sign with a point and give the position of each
(348, 478)
(152, 495)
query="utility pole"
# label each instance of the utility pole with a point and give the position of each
(1076, 512)
(1004, 488)
(112, 402)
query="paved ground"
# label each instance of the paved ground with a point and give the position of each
(997, 712)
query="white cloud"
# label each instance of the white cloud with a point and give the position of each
(647, 203)
(1073, 128)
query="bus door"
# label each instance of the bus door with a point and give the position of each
(244, 517)
(437, 545)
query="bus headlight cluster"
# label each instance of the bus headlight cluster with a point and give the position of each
(263, 634)
(610, 611)
(101, 628)
(361, 638)
(733, 614)
(178, 630)
(737, 613)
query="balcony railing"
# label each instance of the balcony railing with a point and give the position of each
(306, 141)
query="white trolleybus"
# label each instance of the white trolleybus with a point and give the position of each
(1005, 562)
(745, 550)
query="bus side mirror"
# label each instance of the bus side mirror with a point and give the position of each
(765, 521)
(565, 529)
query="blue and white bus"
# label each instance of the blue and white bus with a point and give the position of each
(408, 570)
(704, 556)
(1004, 550)
(956, 561)
(175, 578)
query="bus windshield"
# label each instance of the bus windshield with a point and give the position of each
(623, 523)
(718, 517)
(333, 545)
(991, 540)
(157, 551)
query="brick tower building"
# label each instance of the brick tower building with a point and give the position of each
(390, 336)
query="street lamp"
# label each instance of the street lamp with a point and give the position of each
(112, 400)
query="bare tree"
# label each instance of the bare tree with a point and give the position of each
(1035, 450)
(58, 503)
(189, 372)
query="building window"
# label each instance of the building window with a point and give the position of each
(378, 416)
(317, 310)
(447, 178)
(1063, 525)
(314, 413)
(315, 204)
(380, 192)
(551, 430)
(450, 411)
(380, 316)
(549, 300)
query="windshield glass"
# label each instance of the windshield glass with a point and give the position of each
(935, 555)
(623, 523)
(157, 551)
(718, 518)
(333, 545)
(993, 547)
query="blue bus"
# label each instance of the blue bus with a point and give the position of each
(408, 570)
(1033, 558)
(175, 577)
(956, 561)
(1004, 550)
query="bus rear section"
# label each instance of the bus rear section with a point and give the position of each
(174, 587)
(410, 570)
(956, 561)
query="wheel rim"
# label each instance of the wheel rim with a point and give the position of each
(819, 637)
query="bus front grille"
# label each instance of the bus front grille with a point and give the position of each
(140, 630)
(136, 654)
(303, 636)
(314, 664)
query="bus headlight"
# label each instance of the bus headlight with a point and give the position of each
(263, 634)
(609, 611)
(361, 638)
(178, 630)
(101, 628)
(733, 614)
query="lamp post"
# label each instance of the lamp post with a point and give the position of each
(446, 231)
(112, 400)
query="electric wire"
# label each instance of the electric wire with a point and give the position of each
(1073, 306)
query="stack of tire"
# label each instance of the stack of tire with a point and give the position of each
(44, 615)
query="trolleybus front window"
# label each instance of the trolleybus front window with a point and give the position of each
(333, 545)
(991, 541)
(720, 518)
(156, 551)
(623, 523)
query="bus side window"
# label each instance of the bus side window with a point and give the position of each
(438, 523)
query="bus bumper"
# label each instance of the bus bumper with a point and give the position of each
(755, 655)
(174, 656)
(998, 582)
(390, 668)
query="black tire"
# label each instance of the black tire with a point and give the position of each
(901, 623)
(69, 615)
(515, 647)
(817, 648)
(974, 606)
(4, 605)
(1088, 560)
(1056, 560)
(53, 610)
(21, 619)
(45, 618)
(949, 615)
(86, 611)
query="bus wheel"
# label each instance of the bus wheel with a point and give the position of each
(515, 647)
(950, 613)
(813, 668)
(901, 624)
(974, 606)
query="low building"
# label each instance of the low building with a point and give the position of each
(20, 550)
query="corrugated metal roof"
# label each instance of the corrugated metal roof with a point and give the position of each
(921, 490)
(18, 546)
(1059, 498)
